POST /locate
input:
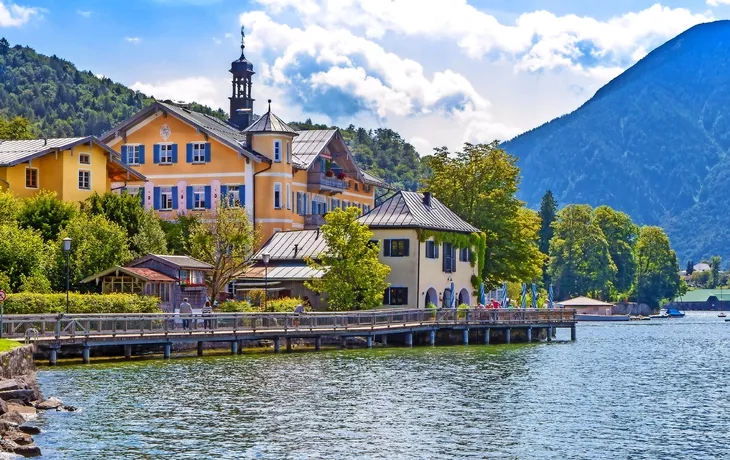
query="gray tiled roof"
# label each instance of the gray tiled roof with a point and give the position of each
(183, 262)
(406, 210)
(373, 180)
(16, 152)
(269, 123)
(309, 144)
(289, 272)
(281, 245)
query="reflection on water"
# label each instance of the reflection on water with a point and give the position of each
(640, 390)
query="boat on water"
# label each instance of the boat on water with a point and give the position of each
(659, 316)
(589, 317)
(668, 313)
(721, 315)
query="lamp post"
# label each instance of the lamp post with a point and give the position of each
(266, 257)
(67, 250)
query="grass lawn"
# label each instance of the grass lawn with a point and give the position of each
(6, 345)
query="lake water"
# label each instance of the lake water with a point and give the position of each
(641, 390)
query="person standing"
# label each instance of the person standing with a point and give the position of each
(207, 313)
(186, 311)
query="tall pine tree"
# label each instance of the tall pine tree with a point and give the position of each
(548, 211)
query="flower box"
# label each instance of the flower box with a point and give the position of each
(329, 173)
(341, 176)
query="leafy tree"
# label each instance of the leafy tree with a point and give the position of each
(17, 128)
(657, 275)
(621, 234)
(46, 213)
(701, 279)
(225, 239)
(480, 184)
(353, 276)
(177, 232)
(547, 215)
(9, 207)
(580, 262)
(690, 267)
(22, 254)
(96, 244)
(715, 263)
(150, 239)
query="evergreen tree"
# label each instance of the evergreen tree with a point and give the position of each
(547, 214)
(690, 267)
(715, 263)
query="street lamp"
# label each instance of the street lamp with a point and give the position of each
(67, 250)
(266, 258)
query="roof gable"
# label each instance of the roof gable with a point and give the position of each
(269, 123)
(174, 261)
(281, 245)
(307, 146)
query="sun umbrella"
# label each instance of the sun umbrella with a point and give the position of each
(453, 296)
(524, 295)
(482, 297)
(550, 296)
(534, 295)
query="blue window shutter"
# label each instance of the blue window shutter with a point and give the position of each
(453, 260)
(242, 195)
(386, 248)
(156, 198)
(189, 153)
(174, 198)
(174, 153)
(446, 262)
(224, 195)
(141, 198)
(207, 152)
(406, 244)
(156, 153)
(124, 154)
(189, 196)
(208, 200)
(435, 250)
(141, 154)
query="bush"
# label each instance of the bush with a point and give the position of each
(26, 303)
(235, 307)
(256, 297)
(282, 305)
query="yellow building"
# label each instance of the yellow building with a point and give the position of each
(193, 162)
(74, 168)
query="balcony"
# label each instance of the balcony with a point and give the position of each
(319, 182)
(313, 221)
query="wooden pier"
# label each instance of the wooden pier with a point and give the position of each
(53, 332)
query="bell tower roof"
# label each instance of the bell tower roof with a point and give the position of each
(242, 64)
(241, 111)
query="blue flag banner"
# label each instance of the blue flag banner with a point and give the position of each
(504, 295)
(524, 296)
(534, 295)
(550, 296)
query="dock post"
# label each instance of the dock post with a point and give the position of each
(466, 336)
(86, 354)
(507, 333)
(572, 333)
(409, 339)
(127, 351)
(529, 335)
(234, 347)
(343, 342)
(53, 356)
(240, 347)
(550, 334)
(200, 348)
(288, 344)
(318, 344)
(384, 340)
(168, 349)
(277, 344)
(432, 338)
(370, 341)
(486, 336)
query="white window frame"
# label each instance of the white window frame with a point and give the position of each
(277, 193)
(87, 155)
(165, 195)
(237, 201)
(288, 152)
(277, 150)
(198, 152)
(36, 178)
(288, 193)
(88, 180)
(199, 197)
(133, 148)
(166, 154)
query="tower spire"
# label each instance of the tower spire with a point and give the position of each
(243, 42)
(241, 100)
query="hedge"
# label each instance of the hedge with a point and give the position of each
(280, 305)
(26, 303)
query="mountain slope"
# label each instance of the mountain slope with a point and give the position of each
(653, 142)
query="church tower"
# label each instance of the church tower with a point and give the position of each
(241, 112)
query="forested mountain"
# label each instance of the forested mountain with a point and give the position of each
(654, 142)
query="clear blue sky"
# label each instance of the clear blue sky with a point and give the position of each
(439, 72)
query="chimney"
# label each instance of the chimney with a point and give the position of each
(427, 198)
(296, 249)
(45, 141)
(317, 234)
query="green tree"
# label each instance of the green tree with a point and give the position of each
(177, 232)
(715, 263)
(620, 233)
(700, 279)
(22, 254)
(547, 215)
(9, 207)
(480, 184)
(46, 213)
(225, 239)
(580, 262)
(353, 277)
(17, 128)
(690, 267)
(657, 274)
(96, 244)
(150, 239)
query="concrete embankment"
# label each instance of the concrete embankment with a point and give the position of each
(20, 401)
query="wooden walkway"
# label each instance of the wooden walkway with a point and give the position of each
(86, 331)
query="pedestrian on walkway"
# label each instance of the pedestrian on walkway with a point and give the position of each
(186, 311)
(207, 313)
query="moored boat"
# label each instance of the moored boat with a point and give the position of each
(721, 315)
(588, 317)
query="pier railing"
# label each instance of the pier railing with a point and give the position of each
(63, 326)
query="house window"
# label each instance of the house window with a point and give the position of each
(465, 255)
(335, 203)
(396, 296)
(449, 258)
(366, 188)
(165, 154)
(199, 152)
(365, 209)
(292, 200)
(357, 186)
(133, 154)
(231, 288)
(198, 197)
(192, 277)
(277, 195)
(166, 198)
(277, 151)
(31, 177)
(288, 152)
(432, 250)
(396, 248)
(288, 192)
(85, 159)
(345, 204)
(84, 180)
(234, 196)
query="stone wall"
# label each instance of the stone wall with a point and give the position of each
(17, 362)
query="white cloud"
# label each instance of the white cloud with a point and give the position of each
(217, 41)
(203, 90)
(85, 14)
(718, 2)
(13, 15)
(133, 40)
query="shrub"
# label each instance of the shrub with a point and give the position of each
(256, 297)
(282, 305)
(26, 303)
(235, 307)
